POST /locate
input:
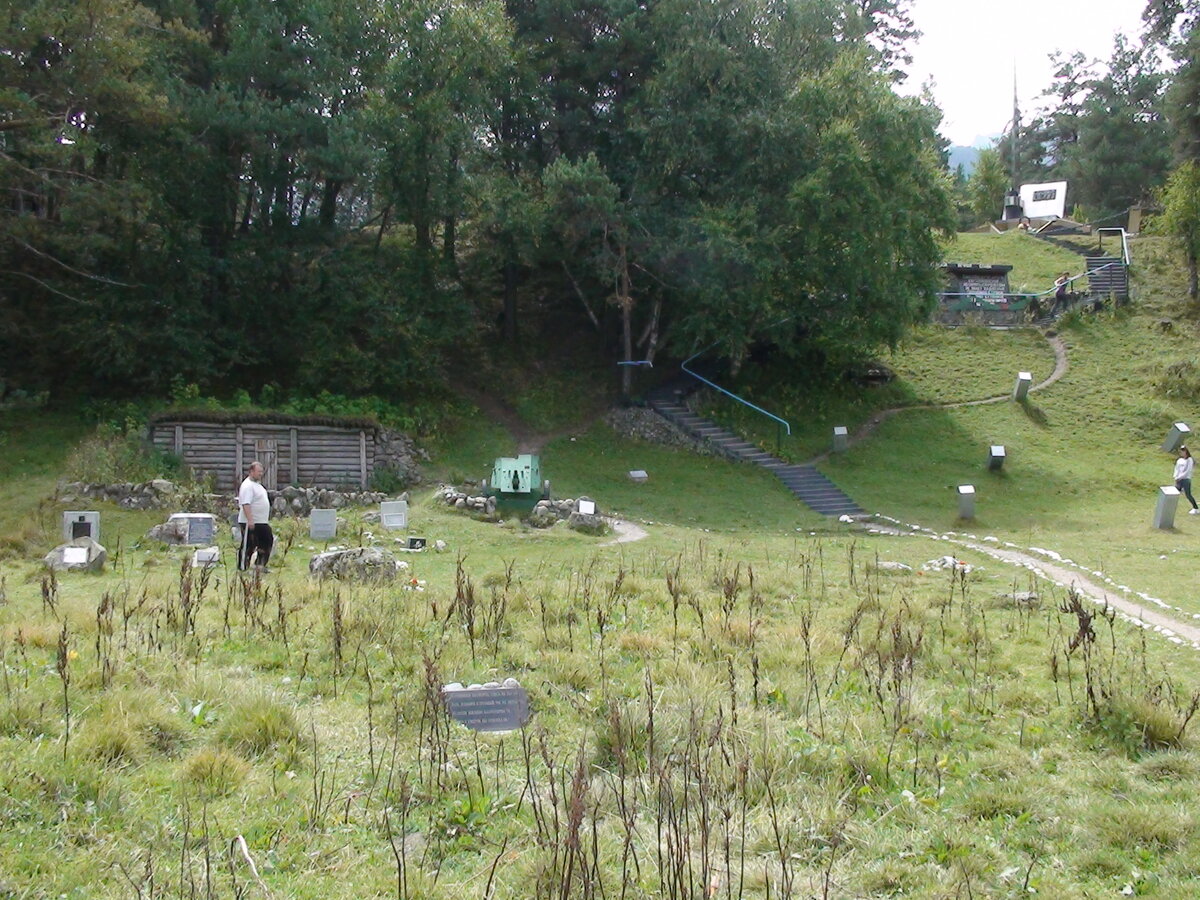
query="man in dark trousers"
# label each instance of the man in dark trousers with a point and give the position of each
(254, 509)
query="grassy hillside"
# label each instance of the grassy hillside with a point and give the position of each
(751, 702)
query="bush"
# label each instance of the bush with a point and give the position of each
(113, 455)
(215, 772)
(257, 725)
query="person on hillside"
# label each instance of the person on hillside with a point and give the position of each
(254, 509)
(1183, 477)
(1061, 284)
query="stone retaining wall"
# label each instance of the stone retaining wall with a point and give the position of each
(163, 494)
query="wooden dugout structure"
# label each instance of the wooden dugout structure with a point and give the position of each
(307, 451)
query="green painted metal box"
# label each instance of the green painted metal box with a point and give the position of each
(517, 477)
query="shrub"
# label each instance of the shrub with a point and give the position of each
(215, 772)
(258, 724)
(113, 455)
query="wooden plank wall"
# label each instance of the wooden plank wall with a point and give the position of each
(308, 455)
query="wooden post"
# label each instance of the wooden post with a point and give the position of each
(237, 458)
(362, 458)
(179, 441)
(293, 460)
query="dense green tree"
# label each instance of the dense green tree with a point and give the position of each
(986, 186)
(1181, 217)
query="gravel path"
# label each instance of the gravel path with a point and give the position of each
(1151, 612)
(868, 428)
(626, 532)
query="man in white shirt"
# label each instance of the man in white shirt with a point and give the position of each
(254, 509)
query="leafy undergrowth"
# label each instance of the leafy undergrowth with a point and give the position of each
(755, 717)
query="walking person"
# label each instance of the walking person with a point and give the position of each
(1061, 284)
(254, 509)
(1183, 477)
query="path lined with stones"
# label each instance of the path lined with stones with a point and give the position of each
(1149, 612)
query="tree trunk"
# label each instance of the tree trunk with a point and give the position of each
(625, 299)
(510, 297)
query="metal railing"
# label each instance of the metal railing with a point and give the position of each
(780, 423)
(1100, 232)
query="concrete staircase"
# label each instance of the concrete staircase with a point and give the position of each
(1107, 276)
(806, 483)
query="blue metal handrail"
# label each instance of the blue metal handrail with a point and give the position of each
(717, 387)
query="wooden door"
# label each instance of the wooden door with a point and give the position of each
(266, 452)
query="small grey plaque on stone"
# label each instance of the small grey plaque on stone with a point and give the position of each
(587, 507)
(80, 523)
(322, 524)
(638, 475)
(393, 514)
(75, 556)
(841, 438)
(488, 707)
(201, 527)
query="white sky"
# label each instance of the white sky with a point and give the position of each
(968, 49)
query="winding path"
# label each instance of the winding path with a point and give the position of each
(1149, 612)
(1061, 365)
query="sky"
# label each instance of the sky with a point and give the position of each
(968, 49)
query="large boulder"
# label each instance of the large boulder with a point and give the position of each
(169, 532)
(355, 564)
(88, 556)
(588, 524)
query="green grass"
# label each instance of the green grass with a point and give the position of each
(745, 681)
(1035, 262)
(34, 445)
(919, 744)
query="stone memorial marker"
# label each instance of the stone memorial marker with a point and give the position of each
(206, 557)
(201, 527)
(996, 457)
(322, 524)
(841, 439)
(1164, 511)
(393, 514)
(966, 501)
(587, 507)
(80, 554)
(78, 523)
(488, 707)
(1024, 383)
(638, 476)
(1175, 437)
(416, 543)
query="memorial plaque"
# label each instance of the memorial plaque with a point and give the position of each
(841, 439)
(490, 707)
(587, 507)
(393, 514)
(1164, 511)
(416, 543)
(201, 527)
(1024, 383)
(322, 524)
(75, 556)
(79, 523)
(638, 475)
(206, 557)
(1175, 437)
(996, 457)
(966, 501)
